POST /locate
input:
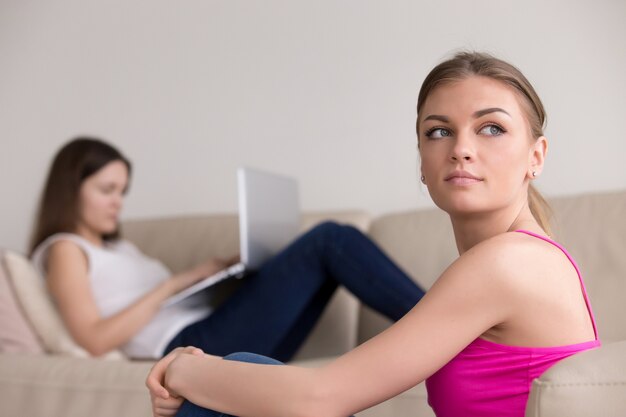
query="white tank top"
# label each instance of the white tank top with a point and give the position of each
(120, 274)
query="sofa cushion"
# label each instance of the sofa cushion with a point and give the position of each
(16, 335)
(32, 295)
(38, 308)
(55, 385)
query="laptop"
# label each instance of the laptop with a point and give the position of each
(269, 219)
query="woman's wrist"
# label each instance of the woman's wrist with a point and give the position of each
(167, 288)
(179, 373)
(174, 380)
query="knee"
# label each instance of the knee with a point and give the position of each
(326, 227)
(251, 358)
(333, 230)
(331, 234)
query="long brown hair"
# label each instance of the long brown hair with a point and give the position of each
(466, 64)
(58, 206)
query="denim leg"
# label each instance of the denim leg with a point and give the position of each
(189, 409)
(275, 309)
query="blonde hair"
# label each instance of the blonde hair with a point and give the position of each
(465, 64)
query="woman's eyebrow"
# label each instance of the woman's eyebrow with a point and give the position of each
(437, 117)
(476, 115)
(481, 113)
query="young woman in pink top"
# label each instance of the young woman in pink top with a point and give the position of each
(508, 308)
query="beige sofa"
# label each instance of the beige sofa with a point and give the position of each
(592, 227)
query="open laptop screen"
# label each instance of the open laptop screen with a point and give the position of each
(269, 214)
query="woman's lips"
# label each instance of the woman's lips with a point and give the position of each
(462, 180)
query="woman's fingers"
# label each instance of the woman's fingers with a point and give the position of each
(165, 407)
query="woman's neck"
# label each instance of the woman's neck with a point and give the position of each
(470, 230)
(89, 235)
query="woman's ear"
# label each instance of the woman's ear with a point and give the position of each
(537, 157)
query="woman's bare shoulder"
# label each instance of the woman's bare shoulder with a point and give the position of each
(512, 258)
(64, 253)
(491, 269)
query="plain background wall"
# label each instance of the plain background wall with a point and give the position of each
(321, 90)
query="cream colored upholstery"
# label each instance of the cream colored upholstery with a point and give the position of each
(592, 383)
(63, 386)
(591, 227)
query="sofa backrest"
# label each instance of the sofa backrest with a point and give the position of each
(420, 241)
(181, 242)
(184, 241)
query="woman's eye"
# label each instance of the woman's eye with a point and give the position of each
(491, 130)
(438, 133)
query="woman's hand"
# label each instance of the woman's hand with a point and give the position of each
(209, 267)
(165, 407)
(186, 279)
(164, 402)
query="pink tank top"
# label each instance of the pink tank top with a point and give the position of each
(489, 379)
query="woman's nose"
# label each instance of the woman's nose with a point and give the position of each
(118, 201)
(463, 149)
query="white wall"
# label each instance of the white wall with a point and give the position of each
(322, 90)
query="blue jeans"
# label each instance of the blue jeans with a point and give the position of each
(189, 409)
(275, 308)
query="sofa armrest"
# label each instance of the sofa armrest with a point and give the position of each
(591, 383)
(63, 386)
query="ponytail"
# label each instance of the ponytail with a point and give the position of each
(540, 209)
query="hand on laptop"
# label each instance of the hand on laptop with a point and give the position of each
(186, 279)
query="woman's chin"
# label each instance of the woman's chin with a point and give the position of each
(460, 207)
(109, 229)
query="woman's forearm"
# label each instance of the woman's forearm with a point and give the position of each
(252, 390)
(114, 331)
(372, 372)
